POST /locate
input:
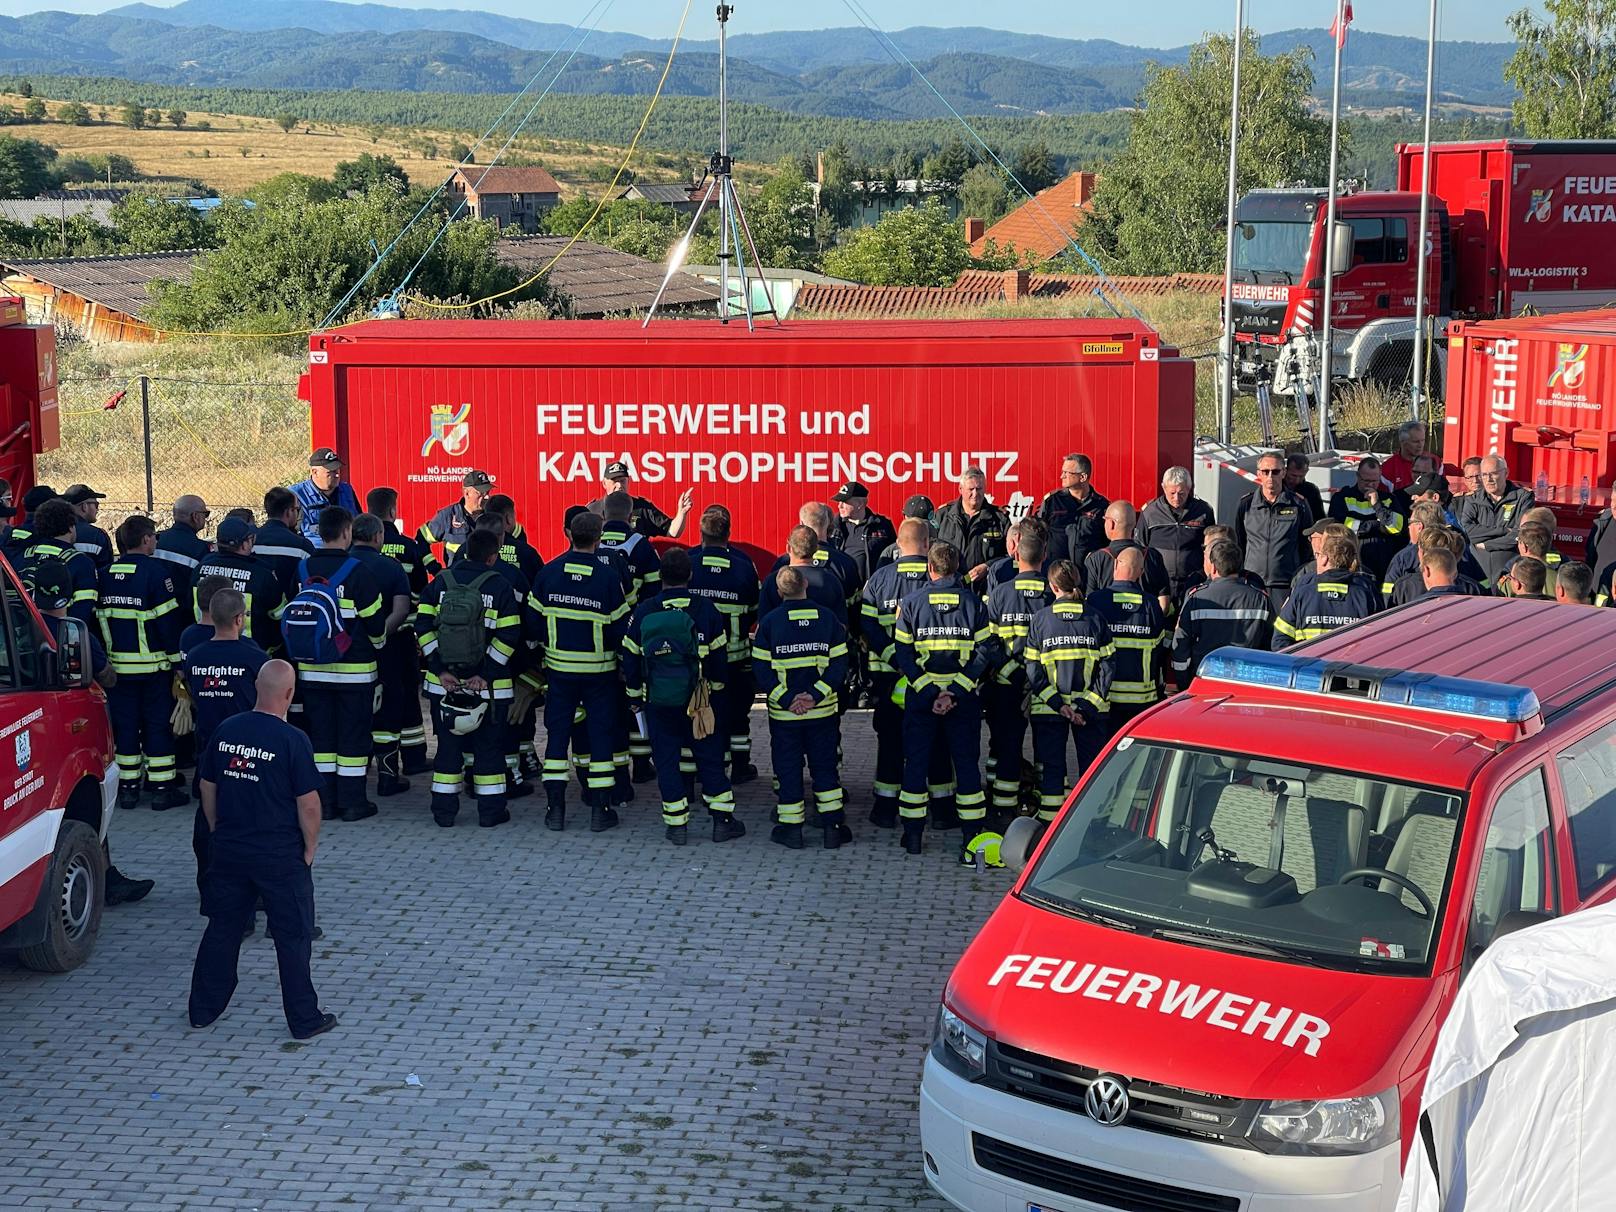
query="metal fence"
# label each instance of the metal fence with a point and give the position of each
(144, 440)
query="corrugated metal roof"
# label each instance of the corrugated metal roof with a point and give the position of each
(26, 210)
(115, 282)
(504, 179)
(979, 288)
(599, 280)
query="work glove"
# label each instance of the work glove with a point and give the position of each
(521, 701)
(182, 720)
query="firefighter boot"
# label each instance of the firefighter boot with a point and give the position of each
(837, 834)
(679, 835)
(644, 772)
(390, 778)
(444, 810)
(128, 796)
(555, 817)
(884, 814)
(726, 828)
(913, 832)
(169, 795)
(602, 818)
(413, 760)
(944, 813)
(516, 789)
(529, 767)
(742, 771)
(789, 836)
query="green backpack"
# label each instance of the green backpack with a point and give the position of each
(672, 656)
(462, 633)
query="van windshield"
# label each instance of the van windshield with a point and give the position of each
(1268, 247)
(1256, 856)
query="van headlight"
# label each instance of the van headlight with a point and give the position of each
(959, 1045)
(1328, 1127)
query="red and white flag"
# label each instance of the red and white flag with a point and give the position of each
(1338, 27)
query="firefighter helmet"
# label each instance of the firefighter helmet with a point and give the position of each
(984, 847)
(464, 711)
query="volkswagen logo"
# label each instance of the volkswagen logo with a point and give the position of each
(1107, 1100)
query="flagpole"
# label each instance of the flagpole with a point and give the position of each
(1327, 360)
(1417, 388)
(1226, 364)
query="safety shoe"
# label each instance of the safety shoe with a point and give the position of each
(515, 789)
(169, 796)
(491, 820)
(837, 836)
(884, 814)
(643, 771)
(726, 828)
(360, 811)
(390, 784)
(121, 890)
(602, 818)
(913, 833)
(742, 772)
(327, 1021)
(789, 836)
(128, 797)
(679, 835)
(555, 817)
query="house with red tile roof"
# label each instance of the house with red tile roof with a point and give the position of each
(1044, 225)
(512, 196)
(982, 288)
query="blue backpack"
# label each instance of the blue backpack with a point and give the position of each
(312, 623)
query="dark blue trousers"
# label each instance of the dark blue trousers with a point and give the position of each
(673, 747)
(960, 733)
(818, 741)
(600, 695)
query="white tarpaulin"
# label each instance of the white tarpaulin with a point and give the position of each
(1520, 1089)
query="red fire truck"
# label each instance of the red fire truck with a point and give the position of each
(758, 421)
(1514, 224)
(58, 780)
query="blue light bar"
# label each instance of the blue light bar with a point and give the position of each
(1395, 687)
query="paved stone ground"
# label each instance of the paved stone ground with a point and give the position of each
(598, 1022)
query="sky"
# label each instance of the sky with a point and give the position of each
(1153, 23)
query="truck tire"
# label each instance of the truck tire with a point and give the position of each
(75, 886)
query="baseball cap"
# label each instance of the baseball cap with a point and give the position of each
(1318, 527)
(918, 506)
(77, 494)
(37, 496)
(1429, 483)
(325, 457)
(236, 530)
(52, 585)
(478, 479)
(617, 471)
(850, 490)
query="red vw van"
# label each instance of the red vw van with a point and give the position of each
(1216, 985)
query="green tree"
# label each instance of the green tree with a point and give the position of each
(74, 113)
(916, 246)
(293, 188)
(368, 171)
(154, 117)
(1160, 206)
(147, 223)
(460, 153)
(1035, 167)
(131, 115)
(177, 117)
(285, 122)
(950, 164)
(26, 167)
(34, 110)
(1565, 70)
(25, 89)
(984, 194)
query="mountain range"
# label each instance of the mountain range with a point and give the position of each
(322, 44)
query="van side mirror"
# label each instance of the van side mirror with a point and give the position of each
(73, 670)
(1341, 248)
(1019, 840)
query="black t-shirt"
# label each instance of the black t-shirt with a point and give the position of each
(222, 677)
(260, 765)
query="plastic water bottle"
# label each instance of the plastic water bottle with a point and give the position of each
(1585, 492)
(1542, 488)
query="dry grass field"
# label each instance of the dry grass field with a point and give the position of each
(237, 152)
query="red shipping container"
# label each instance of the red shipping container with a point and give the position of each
(758, 421)
(1541, 391)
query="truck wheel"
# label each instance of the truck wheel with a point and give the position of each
(74, 889)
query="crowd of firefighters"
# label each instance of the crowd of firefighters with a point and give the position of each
(646, 661)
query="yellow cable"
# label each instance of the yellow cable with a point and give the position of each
(599, 207)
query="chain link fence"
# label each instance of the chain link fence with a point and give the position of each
(144, 440)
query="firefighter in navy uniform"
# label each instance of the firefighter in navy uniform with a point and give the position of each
(727, 577)
(1224, 610)
(400, 664)
(824, 586)
(1099, 570)
(943, 647)
(1270, 526)
(1333, 597)
(249, 576)
(394, 662)
(88, 537)
(140, 620)
(1011, 607)
(530, 633)
(1074, 512)
(584, 607)
(800, 658)
(648, 519)
(339, 696)
(278, 543)
(449, 527)
(1368, 510)
(860, 533)
(183, 547)
(877, 617)
(1070, 664)
(517, 551)
(54, 528)
(470, 628)
(619, 535)
(21, 533)
(323, 488)
(974, 527)
(673, 641)
(1140, 635)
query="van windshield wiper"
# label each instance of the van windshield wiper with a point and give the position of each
(1239, 942)
(1077, 909)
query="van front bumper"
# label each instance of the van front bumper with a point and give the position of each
(1135, 1167)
